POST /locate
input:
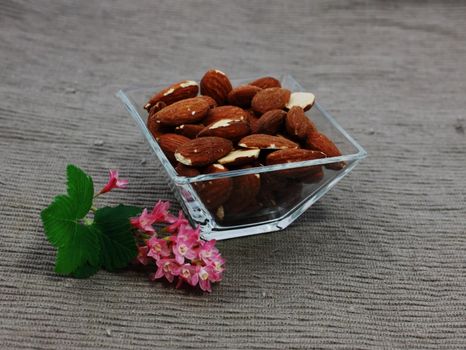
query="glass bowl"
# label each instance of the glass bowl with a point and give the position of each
(282, 197)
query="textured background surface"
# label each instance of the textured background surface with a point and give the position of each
(380, 262)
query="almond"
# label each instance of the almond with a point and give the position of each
(212, 103)
(169, 143)
(292, 156)
(240, 157)
(252, 120)
(264, 141)
(203, 151)
(296, 123)
(156, 107)
(189, 130)
(185, 170)
(305, 100)
(175, 92)
(319, 142)
(243, 194)
(242, 95)
(270, 122)
(155, 128)
(225, 112)
(216, 84)
(227, 128)
(186, 111)
(214, 193)
(266, 82)
(270, 98)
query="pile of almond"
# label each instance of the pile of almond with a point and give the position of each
(228, 127)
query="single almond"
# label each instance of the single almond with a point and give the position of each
(185, 170)
(292, 156)
(242, 95)
(296, 123)
(212, 103)
(266, 82)
(225, 112)
(230, 129)
(214, 193)
(203, 151)
(264, 141)
(270, 122)
(169, 143)
(189, 130)
(175, 92)
(270, 98)
(186, 111)
(319, 142)
(216, 84)
(155, 128)
(305, 100)
(240, 157)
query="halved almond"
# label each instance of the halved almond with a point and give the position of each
(240, 157)
(305, 100)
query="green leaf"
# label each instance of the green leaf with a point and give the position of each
(117, 244)
(62, 216)
(85, 271)
(82, 248)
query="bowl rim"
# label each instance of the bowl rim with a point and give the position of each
(181, 180)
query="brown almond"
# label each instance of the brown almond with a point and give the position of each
(270, 122)
(240, 157)
(155, 128)
(203, 151)
(185, 170)
(305, 100)
(186, 111)
(230, 129)
(156, 107)
(243, 194)
(266, 82)
(169, 143)
(319, 142)
(292, 156)
(242, 95)
(296, 123)
(225, 112)
(270, 98)
(216, 84)
(212, 103)
(189, 130)
(175, 92)
(264, 141)
(214, 193)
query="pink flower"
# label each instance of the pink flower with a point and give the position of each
(113, 182)
(168, 268)
(183, 248)
(188, 273)
(160, 213)
(187, 233)
(142, 255)
(208, 251)
(143, 222)
(178, 222)
(158, 248)
(206, 274)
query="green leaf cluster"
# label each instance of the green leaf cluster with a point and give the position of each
(85, 245)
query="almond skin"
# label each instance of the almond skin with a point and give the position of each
(242, 95)
(185, 170)
(156, 107)
(214, 193)
(295, 155)
(296, 123)
(270, 122)
(266, 82)
(189, 130)
(203, 151)
(186, 111)
(216, 84)
(175, 92)
(225, 112)
(155, 128)
(264, 141)
(319, 142)
(169, 143)
(240, 157)
(270, 98)
(212, 103)
(230, 129)
(243, 194)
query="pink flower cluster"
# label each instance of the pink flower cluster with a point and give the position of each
(180, 254)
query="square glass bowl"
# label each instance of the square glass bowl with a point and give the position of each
(282, 197)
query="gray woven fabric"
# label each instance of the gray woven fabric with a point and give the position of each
(379, 262)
